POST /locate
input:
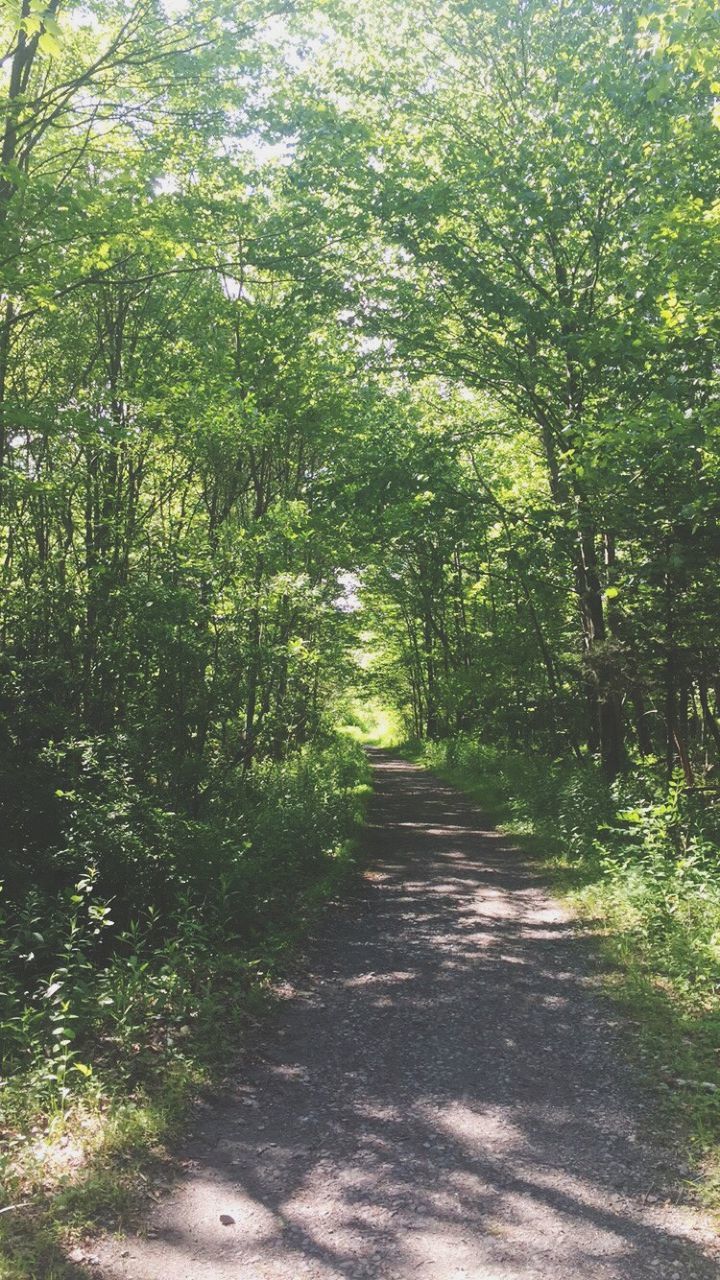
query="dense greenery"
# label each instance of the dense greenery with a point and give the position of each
(347, 349)
(548, 192)
(109, 1029)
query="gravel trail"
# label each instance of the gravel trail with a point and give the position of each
(441, 1096)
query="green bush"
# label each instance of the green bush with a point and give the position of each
(160, 912)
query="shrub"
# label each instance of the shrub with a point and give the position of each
(159, 910)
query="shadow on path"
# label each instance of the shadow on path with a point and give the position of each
(445, 1097)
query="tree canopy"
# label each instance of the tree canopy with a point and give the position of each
(424, 293)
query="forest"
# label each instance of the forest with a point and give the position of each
(358, 362)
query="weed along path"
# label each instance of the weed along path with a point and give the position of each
(442, 1095)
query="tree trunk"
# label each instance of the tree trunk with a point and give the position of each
(711, 725)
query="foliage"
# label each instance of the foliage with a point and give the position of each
(418, 298)
(547, 292)
(79, 973)
(369, 720)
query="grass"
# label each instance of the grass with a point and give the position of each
(638, 864)
(82, 1152)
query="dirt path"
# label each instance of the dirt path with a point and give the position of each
(443, 1097)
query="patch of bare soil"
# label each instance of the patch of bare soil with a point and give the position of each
(443, 1094)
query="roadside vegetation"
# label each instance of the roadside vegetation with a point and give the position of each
(637, 860)
(118, 1010)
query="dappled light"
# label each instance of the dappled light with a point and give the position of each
(438, 1098)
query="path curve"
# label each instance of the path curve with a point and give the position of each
(442, 1096)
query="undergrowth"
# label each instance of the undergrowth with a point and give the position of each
(639, 861)
(115, 1015)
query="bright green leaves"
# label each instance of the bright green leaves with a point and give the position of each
(685, 33)
(41, 23)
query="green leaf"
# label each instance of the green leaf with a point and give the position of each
(49, 44)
